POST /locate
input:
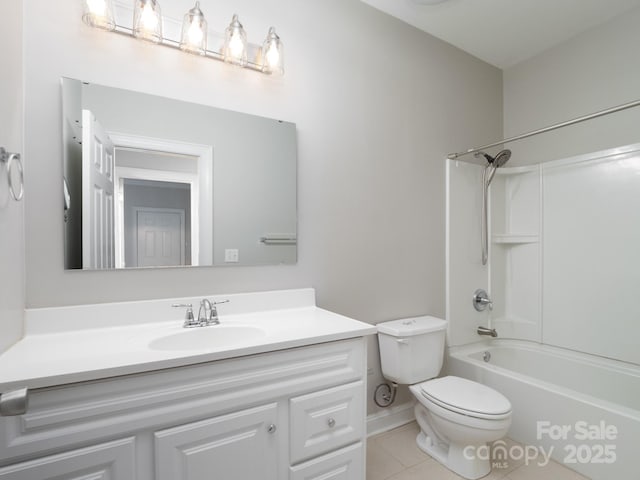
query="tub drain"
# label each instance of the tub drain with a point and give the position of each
(486, 356)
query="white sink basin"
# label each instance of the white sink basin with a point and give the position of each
(208, 338)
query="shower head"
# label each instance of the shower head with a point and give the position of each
(499, 160)
(496, 162)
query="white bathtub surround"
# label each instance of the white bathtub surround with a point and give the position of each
(559, 397)
(557, 266)
(74, 344)
(563, 271)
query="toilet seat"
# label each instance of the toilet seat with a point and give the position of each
(466, 397)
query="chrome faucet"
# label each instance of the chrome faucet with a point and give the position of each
(204, 319)
(487, 331)
(207, 314)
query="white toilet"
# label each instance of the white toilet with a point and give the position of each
(457, 417)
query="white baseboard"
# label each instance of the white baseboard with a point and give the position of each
(390, 418)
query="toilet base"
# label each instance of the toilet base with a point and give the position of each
(453, 457)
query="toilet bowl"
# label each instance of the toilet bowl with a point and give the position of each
(457, 417)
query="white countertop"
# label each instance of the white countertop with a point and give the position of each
(49, 356)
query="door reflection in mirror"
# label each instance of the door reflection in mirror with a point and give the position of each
(156, 182)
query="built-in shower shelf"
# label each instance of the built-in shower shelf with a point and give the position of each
(515, 239)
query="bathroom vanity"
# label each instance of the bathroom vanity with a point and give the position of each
(289, 403)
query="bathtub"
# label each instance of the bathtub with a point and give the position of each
(581, 409)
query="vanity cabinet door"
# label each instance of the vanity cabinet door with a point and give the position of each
(238, 446)
(107, 461)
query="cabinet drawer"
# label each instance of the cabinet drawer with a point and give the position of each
(107, 461)
(326, 420)
(344, 464)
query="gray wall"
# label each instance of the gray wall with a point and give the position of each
(11, 213)
(378, 104)
(593, 71)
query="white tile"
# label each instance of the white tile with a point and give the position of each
(380, 464)
(401, 444)
(501, 464)
(429, 470)
(553, 471)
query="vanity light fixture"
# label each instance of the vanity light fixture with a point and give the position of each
(194, 31)
(235, 43)
(99, 13)
(273, 54)
(147, 20)
(148, 25)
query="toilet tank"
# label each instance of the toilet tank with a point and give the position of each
(412, 349)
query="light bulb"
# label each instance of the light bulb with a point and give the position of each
(195, 34)
(97, 7)
(235, 43)
(194, 31)
(147, 21)
(272, 54)
(99, 13)
(236, 47)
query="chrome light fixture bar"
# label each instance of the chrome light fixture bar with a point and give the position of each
(148, 25)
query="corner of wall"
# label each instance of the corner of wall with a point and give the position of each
(12, 284)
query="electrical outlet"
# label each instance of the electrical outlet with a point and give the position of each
(231, 255)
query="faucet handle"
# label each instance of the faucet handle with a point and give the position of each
(212, 318)
(188, 306)
(481, 300)
(188, 316)
(214, 311)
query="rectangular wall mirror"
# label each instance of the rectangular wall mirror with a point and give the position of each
(155, 182)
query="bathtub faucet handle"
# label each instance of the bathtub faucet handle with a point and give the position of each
(481, 300)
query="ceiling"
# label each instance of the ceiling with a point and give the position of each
(504, 32)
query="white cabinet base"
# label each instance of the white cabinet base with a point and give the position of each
(254, 417)
(107, 461)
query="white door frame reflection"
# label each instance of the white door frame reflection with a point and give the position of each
(200, 185)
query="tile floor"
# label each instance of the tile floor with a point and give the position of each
(394, 455)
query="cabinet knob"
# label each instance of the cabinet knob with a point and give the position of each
(331, 422)
(271, 428)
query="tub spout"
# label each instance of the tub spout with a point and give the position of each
(487, 331)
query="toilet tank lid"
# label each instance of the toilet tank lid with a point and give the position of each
(408, 327)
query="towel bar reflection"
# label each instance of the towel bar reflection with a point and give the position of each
(279, 240)
(11, 159)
